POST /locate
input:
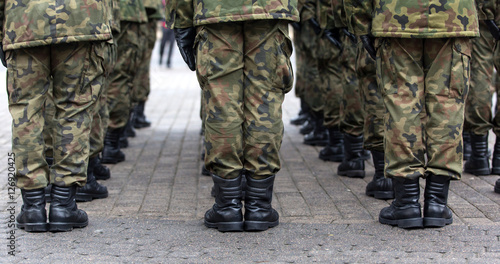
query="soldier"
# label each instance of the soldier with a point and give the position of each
(132, 15)
(423, 66)
(478, 113)
(65, 49)
(241, 54)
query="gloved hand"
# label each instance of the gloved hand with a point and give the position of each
(367, 41)
(494, 30)
(334, 37)
(2, 56)
(185, 41)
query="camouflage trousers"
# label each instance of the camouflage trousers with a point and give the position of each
(330, 82)
(76, 75)
(124, 73)
(142, 81)
(478, 115)
(352, 112)
(496, 118)
(244, 70)
(430, 75)
(373, 128)
(314, 96)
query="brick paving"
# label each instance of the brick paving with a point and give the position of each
(157, 199)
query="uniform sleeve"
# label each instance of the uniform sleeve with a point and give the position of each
(359, 16)
(2, 18)
(308, 10)
(179, 13)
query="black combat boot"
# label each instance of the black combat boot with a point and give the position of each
(92, 189)
(33, 216)
(404, 211)
(466, 145)
(478, 164)
(309, 124)
(129, 127)
(495, 164)
(303, 115)
(334, 151)
(140, 119)
(226, 215)
(319, 136)
(50, 162)
(259, 215)
(380, 187)
(64, 215)
(101, 172)
(436, 213)
(353, 165)
(497, 186)
(111, 153)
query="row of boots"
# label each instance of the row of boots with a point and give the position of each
(476, 154)
(226, 215)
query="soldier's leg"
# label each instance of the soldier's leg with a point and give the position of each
(495, 164)
(119, 91)
(447, 84)
(27, 95)
(75, 100)
(300, 57)
(373, 129)
(331, 76)
(351, 115)
(143, 78)
(478, 114)
(402, 80)
(264, 92)
(223, 95)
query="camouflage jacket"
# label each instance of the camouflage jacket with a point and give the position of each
(189, 13)
(115, 12)
(133, 11)
(154, 8)
(488, 10)
(413, 19)
(31, 23)
(339, 16)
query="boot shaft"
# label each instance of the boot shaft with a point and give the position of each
(227, 191)
(378, 158)
(436, 189)
(353, 146)
(406, 191)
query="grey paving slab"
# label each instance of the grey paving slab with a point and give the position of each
(154, 213)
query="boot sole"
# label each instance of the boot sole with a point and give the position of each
(226, 226)
(259, 225)
(403, 223)
(34, 227)
(64, 227)
(316, 143)
(479, 172)
(495, 171)
(352, 173)
(437, 222)
(381, 195)
(331, 158)
(89, 197)
(111, 161)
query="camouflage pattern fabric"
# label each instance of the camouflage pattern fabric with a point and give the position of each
(189, 13)
(478, 114)
(142, 87)
(496, 118)
(28, 23)
(133, 11)
(373, 128)
(430, 74)
(330, 77)
(122, 77)
(101, 116)
(38, 68)
(412, 19)
(243, 95)
(352, 112)
(300, 59)
(314, 96)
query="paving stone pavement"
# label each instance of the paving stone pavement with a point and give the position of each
(157, 199)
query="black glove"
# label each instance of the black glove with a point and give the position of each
(2, 56)
(315, 25)
(185, 41)
(367, 41)
(351, 36)
(334, 37)
(492, 26)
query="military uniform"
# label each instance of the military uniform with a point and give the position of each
(422, 64)
(243, 66)
(63, 46)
